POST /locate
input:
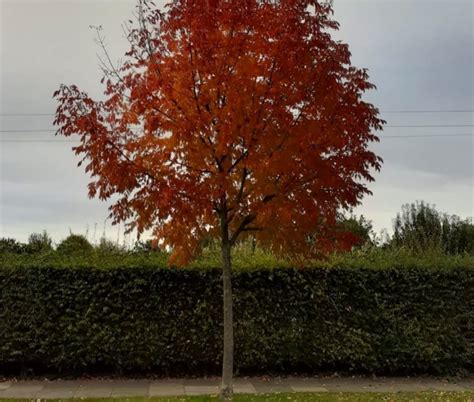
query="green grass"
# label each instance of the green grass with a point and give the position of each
(297, 397)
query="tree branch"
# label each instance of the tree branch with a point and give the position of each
(246, 221)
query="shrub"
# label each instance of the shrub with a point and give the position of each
(107, 247)
(168, 321)
(9, 245)
(39, 243)
(74, 244)
(143, 246)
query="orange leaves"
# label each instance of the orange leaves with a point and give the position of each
(244, 108)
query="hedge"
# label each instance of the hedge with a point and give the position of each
(168, 321)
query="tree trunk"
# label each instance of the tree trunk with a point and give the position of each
(228, 358)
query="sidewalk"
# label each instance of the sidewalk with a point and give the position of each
(178, 387)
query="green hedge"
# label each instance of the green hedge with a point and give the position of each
(168, 321)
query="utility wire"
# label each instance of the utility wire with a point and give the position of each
(382, 111)
(426, 135)
(29, 141)
(381, 137)
(388, 126)
(26, 114)
(429, 125)
(426, 111)
(28, 131)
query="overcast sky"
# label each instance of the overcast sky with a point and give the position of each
(419, 54)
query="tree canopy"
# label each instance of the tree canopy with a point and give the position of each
(246, 113)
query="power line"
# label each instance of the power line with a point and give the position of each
(429, 125)
(382, 111)
(427, 111)
(381, 137)
(388, 126)
(26, 114)
(426, 135)
(28, 131)
(28, 141)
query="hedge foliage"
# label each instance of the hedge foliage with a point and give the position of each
(243, 259)
(168, 321)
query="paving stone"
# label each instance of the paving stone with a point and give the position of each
(209, 382)
(204, 386)
(386, 385)
(93, 393)
(441, 385)
(23, 389)
(94, 389)
(131, 388)
(466, 383)
(166, 388)
(365, 385)
(56, 393)
(270, 386)
(4, 385)
(175, 387)
(302, 384)
(243, 386)
(419, 384)
(308, 388)
(201, 390)
(58, 389)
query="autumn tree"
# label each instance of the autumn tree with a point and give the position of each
(228, 118)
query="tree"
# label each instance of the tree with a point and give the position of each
(141, 246)
(106, 246)
(360, 227)
(74, 244)
(9, 245)
(458, 235)
(39, 243)
(420, 227)
(231, 119)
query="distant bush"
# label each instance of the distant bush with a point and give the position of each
(74, 244)
(106, 246)
(39, 243)
(169, 321)
(143, 246)
(8, 245)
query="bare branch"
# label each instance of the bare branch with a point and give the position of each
(110, 69)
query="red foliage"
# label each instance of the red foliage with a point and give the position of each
(244, 109)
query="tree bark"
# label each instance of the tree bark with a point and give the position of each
(227, 389)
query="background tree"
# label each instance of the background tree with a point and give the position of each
(74, 244)
(358, 226)
(39, 243)
(143, 246)
(9, 245)
(349, 231)
(420, 227)
(228, 118)
(106, 246)
(457, 235)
